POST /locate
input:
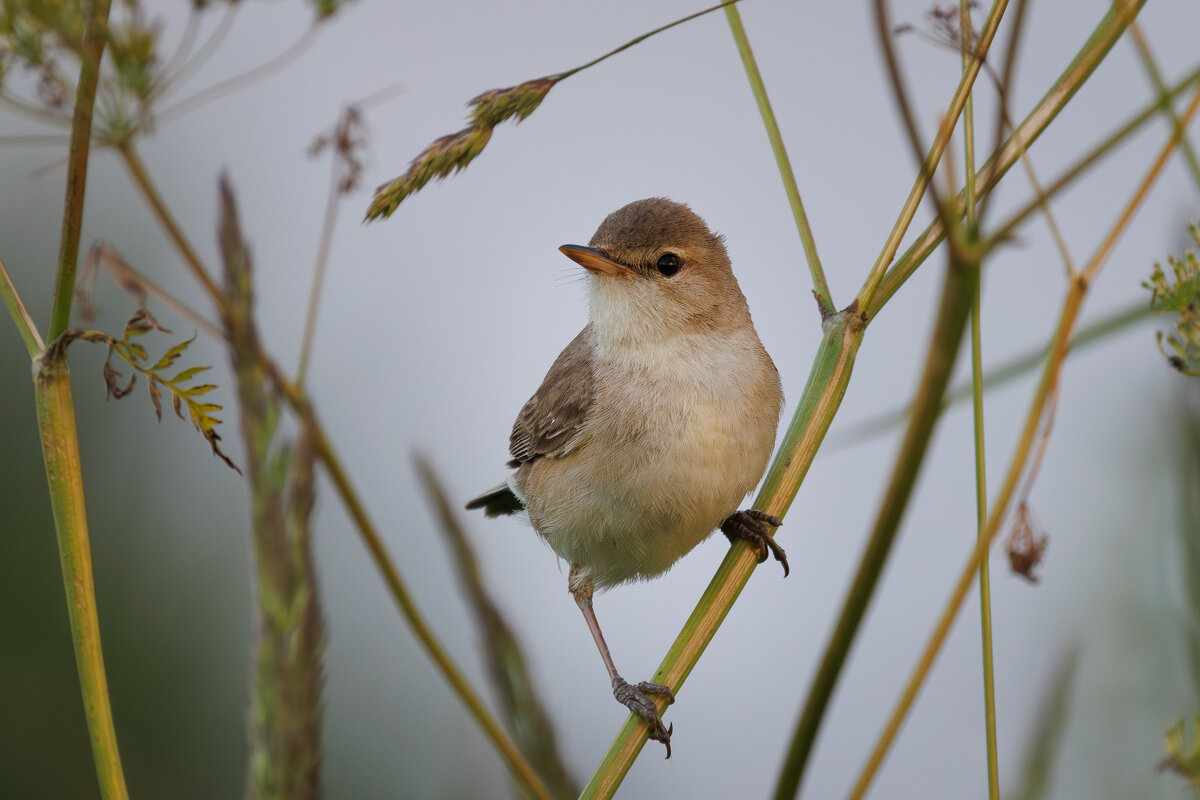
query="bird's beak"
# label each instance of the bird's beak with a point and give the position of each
(594, 260)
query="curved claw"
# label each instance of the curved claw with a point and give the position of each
(634, 698)
(751, 524)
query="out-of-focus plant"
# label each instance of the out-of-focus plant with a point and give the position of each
(1179, 295)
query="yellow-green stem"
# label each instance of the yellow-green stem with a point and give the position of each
(820, 286)
(1045, 391)
(985, 590)
(1164, 98)
(64, 476)
(517, 763)
(822, 395)
(91, 53)
(1104, 36)
(20, 315)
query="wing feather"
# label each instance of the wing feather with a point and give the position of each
(550, 422)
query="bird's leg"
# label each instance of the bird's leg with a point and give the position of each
(633, 697)
(751, 525)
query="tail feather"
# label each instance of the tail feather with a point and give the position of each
(498, 502)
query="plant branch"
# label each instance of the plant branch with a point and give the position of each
(141, 179)
(957, 291)
(241, 81)
(638, 40)
(1046, 390)
(1008, 371)
(20, 315)
(820, 286)
(508, 751)
(866, 295)
(64, 476)
(1164, 97)
(95, 36)
(977, 386)
(1104, 36)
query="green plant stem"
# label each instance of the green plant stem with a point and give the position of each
(20, 315)
(866, 295)
(957, 291)
(822, 395)
(1006, 372)
(820, 286)
(92, 52)
(314, 293)
(561, 75)
(324, 450)
(517, 764)
(985, 592)
(1104, 36)
(1047, 386)
(64, 476)
(141, 179)
(1164, 98)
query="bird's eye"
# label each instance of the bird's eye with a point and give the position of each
(668, 264)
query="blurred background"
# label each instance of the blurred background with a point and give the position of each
(438, 323)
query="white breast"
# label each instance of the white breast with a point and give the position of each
(681, 431)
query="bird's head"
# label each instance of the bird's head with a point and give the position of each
(656, 267)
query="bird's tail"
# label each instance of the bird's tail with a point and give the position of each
(498, 502)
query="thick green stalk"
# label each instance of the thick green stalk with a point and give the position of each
(822, 395)
(1107, 31)
(820, 286)
(91, 52)
(60, 448)
(959, 286)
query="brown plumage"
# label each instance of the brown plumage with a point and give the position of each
(655, 421)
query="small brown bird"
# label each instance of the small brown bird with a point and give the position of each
(653, 424)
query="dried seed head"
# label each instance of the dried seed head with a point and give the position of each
(497, 105)
(445, 156)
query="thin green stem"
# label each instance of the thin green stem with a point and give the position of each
(241, 81)
(559, 76)
(1164, 97)
(822, 396)
(985, 596)
(866, 295)
(961, 278)
(820, 286)
(20, 315)
(318, 280)
(1104, 36)
(1008, 371)
(1042, 397)
(92, 52)
(64, 475)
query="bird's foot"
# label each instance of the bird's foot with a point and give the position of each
(751, 524)
(634, 698)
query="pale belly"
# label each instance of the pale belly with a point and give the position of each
(648, 485)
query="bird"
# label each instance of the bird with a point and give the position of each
(652, 425)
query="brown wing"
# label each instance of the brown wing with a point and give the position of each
(552, 418)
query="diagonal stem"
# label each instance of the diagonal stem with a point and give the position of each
(77, 164)
(820, 286)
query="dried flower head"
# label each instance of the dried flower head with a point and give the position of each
(452, 153)
(1026, 545)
